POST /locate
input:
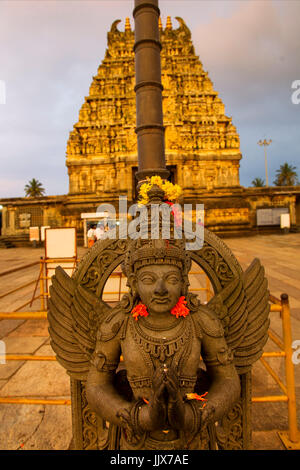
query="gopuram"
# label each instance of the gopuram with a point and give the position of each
(158, 370)
(202, 146)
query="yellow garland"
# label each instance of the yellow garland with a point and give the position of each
(172, 191)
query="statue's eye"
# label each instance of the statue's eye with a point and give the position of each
(173, 279)
(147, 279)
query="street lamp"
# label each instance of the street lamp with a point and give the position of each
(265, 143)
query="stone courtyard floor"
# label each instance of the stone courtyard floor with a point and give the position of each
(49, 426)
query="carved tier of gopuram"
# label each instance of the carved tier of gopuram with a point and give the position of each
(202, 144)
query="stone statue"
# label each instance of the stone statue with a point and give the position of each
(161, 352)
(159, 367)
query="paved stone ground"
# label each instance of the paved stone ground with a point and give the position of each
(49, 426)
(280, 256)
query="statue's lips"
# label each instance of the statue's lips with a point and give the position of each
(161, 301)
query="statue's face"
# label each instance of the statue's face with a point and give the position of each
(159, 287)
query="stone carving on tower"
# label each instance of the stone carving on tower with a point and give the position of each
(202, 144)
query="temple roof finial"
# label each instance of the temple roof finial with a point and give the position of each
(169, 23)
(127, 25)
(160, 23)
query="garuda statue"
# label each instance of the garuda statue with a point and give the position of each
(159, 370)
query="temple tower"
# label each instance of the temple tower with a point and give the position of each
(202, 147)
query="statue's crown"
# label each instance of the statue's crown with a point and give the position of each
(159, 251)
(156, 249)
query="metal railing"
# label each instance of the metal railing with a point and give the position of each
(22, 286)
(41, 281)
(290, 439)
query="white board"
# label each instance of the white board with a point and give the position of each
(43, 228)
(270, 216)
(34, 234)
(60, 242)
(285, 221)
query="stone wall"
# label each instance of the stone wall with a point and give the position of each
(225, 211)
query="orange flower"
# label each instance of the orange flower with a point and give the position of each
(195, 396)
(180, 309)
(139, 311)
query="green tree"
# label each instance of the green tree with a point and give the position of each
(34, 188)
(286, 175)
(258, 182)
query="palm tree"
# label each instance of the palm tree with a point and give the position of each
(286, 175)
(34, 188)
(258, 182)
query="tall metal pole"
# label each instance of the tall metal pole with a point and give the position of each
(265, 143)
(266, 166)
(148, 88)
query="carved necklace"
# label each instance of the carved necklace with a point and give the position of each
(152, 327)
(161, 348)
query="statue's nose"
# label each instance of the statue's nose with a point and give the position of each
(160, 287)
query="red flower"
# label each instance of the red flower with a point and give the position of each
(180, 309)
(139, 311)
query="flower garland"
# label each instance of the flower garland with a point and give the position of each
(139, 310)
(180, 310)
(172, 191)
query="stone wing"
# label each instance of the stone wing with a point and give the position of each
(243, 308)
(256, 334)
(74, 316)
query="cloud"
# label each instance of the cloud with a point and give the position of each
(251, 56)
(49, 53)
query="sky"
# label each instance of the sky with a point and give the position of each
(50, 50)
